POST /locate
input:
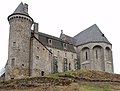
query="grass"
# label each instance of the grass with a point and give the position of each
(91, 87)
(82, 87)
(56, 75)
(79, 85)
(89, 75)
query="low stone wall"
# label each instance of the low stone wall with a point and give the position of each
(33, 82)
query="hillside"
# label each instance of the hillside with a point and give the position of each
(80, 80)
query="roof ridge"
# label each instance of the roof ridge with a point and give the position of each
(48, 34)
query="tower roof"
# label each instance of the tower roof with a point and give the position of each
(21, 9)
(91, 34)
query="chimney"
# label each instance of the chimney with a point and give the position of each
(61, 31)
(26, 8)
(35, 27)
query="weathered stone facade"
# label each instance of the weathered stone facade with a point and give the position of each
(32, 53)
(99, 56)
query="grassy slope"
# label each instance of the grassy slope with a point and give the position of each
(89, 75)
(72, 87)
(76, 85)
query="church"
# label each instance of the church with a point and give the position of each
(33, 54)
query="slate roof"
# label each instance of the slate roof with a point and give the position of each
(20, 9)
(69, 39)
(91, 34)
(56, 42)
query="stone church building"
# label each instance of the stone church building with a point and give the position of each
(32, 53)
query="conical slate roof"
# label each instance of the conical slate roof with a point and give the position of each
(20, 9)
(91, 34)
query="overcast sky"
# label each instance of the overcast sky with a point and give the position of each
(71, 16)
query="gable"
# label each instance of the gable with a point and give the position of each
(91, 34)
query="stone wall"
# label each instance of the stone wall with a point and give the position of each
(19, 47)
(96, 56)
(41, 59)
(60, 55)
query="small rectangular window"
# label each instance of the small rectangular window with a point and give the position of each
(38, 48)
(86, 55)
(12, 78)
(96, 54)
(58, 53)
(37, 57)
(72, 56)
(13, 62)
(42, 73)
(14, 44)
(65, 55)
(22, 64)
(51, 50)
(69, 66)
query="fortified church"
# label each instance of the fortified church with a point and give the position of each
(34, 54)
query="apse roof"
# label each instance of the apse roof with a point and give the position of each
(91, 34)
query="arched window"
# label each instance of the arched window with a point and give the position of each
(50, 41)
(109, 59)
(85, 54)
(98, 52)
(108, 54)
(98, 55)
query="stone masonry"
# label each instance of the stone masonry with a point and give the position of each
(33, 54)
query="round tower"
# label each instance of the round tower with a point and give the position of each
(18, 64)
